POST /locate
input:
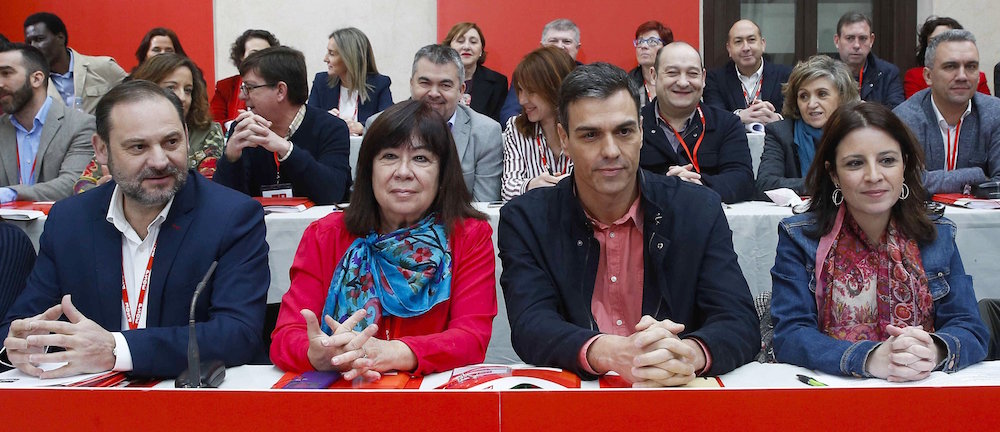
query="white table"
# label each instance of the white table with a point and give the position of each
(755, 238)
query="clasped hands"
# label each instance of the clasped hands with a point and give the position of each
(653, 356)
(354, 354)
(356, 128)
(88, 348)
(910, 354)
(759, 112)
(252, 130)
(685, 173)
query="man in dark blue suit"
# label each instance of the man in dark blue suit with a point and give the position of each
(747, 85)
(122, 261)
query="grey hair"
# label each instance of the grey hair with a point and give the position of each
(955, 35)
(439, 55)
(561, 24)
(594, 81)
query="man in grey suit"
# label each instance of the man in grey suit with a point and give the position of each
(438, 79)
(958, 127)
(43, 145)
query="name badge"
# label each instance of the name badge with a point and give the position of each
(280, 190)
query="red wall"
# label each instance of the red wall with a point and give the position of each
(115, 27)
(514, 27)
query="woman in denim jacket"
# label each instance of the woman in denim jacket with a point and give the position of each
(864, 283)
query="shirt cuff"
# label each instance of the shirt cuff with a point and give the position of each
(7, 195)
(583, 355)
(708, 357)
(123, 356)
(289, 153)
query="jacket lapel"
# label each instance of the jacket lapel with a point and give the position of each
(767, 85)
(461, 131)
(734, 88)
(168, 244)
(931, 136)
(107, 266)
(655, 223)
(8, 151)
(53, 122)
(80, 68)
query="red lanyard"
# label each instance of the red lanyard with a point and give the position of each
(759, 86)
(358, 104)
(649, 96)
(541, 149)
(32, 174)
(133, 321)
(693, 157)
(277, 168)
(861, 78)
(951, 151)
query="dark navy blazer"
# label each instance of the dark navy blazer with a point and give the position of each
(326, 98)
(81, 254)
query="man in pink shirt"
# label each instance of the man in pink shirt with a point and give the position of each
(617, 269)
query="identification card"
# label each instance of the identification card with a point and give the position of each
(280, 190)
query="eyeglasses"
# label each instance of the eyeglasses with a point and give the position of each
(558, 42)
(245, 89)
(650, 42)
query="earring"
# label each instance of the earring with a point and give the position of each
(905, 193)
(837, 196)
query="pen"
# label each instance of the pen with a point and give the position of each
(808, 380)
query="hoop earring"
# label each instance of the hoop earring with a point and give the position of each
(905, 193)
(837, 197)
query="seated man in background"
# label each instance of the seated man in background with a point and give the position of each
(43, 145)
(438, 78)
(280, 146)
(155, 208)
(958, 127)
(78, 80)
(620, 269)
(747, 85)
(698, 143)
(879, 80)
(560, 33)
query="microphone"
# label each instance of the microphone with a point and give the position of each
(211, 373)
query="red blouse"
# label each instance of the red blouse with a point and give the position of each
(226, 103)
(453, 333)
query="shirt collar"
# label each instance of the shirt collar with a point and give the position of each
(754, 76)
(451, 121)
(296, 122)
(662, 121)
(69, 72)
(633, 215)
(116, 215)
(39, 120)
(940, 119)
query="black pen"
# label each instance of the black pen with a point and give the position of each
(808, 380)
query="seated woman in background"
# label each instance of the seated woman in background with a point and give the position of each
(865, 283)
(351, 88)
(205, 140)
(649, 37)
(404, 278)
(815, 89)
(226, 103)
(157, 41)
(914, 80)
(532, 154)
(485, 89)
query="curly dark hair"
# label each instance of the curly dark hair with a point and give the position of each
(240, 46)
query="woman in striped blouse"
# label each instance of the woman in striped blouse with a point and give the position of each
(532, 156)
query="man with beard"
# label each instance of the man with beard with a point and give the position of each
(149, 236)
(43, 146)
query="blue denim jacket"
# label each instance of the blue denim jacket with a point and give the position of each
(798, 340)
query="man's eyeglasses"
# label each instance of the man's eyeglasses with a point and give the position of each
(650, 42)
(245, 89)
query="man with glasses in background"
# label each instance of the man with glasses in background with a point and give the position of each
(560, 33)
(747, 85)
(279, 147)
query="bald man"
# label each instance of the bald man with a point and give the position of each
(747, 85)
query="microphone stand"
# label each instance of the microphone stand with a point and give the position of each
(199, 375)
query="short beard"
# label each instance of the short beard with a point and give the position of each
(20, 98)
(132, 187)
